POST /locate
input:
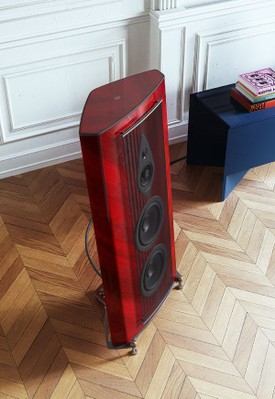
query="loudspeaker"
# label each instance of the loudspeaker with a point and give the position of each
(124, 141)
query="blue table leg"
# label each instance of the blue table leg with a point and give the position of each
(230, 181)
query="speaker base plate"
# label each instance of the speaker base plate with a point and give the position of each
(100, 296)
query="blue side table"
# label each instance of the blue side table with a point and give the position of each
(222, 133)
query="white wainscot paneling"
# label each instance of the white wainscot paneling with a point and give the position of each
(222, 55)
(173, 72)
(49, 96)
(168, 55)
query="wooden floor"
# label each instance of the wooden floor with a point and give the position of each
(215, 339)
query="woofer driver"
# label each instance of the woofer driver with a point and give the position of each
(149, 223)
(153, 270)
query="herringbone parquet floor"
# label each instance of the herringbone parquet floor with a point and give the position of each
(215, 339)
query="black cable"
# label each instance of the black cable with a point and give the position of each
(178, 160)
(87, 248)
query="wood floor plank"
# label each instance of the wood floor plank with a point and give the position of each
(257, 360)
(39, 350)
(12, 290)
(174, 383)
(184, 330)
(23, 320)
(213, 301)
(150, 363)
(18, 306)
(94, 349)
(160, 378)
(97, 391)
(35, 239)
(267, 382)
(32, 256)
(51, 379)
(207, 361)
(7, 259)
(42, 365)
(96, 363)
(219, 391)
(106, 380)
(77, 331)
(22, 346)
(245, 344)
(223, 315)
(234, 329)
(49, 191)
(65, 384)
(215, 376)
(134, 363)
(13, 270)
(196, 345)
(188, 391)
(76, 392)
(11, 384)
(12, 389)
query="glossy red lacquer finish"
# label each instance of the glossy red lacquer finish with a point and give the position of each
(110, 161)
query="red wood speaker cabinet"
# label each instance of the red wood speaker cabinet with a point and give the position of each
(124, 141)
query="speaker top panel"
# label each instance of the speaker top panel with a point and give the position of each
(107, 105)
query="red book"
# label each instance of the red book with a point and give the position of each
(249, 105)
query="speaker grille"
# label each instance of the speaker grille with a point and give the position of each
(148, 209)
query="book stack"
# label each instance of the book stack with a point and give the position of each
(255, 90)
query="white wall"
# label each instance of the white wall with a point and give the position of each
(54, 52)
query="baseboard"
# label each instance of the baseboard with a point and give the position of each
(178, 133)
(41, 157)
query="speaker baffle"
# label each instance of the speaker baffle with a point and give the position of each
(149, 223)
(153, 271)
(146, 167)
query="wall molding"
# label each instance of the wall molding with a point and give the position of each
(23, 117)
(91, 27)
(210, 41)
(14, 10)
